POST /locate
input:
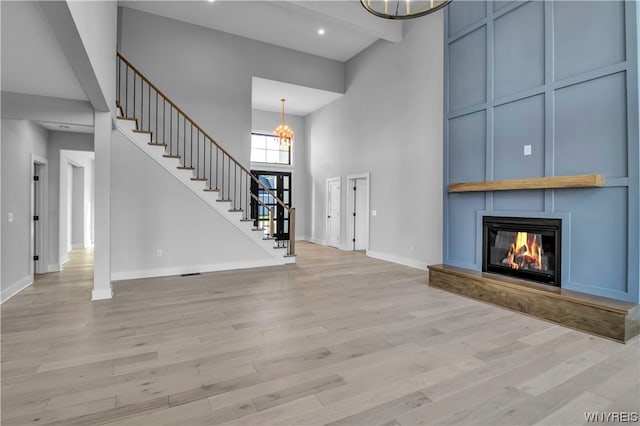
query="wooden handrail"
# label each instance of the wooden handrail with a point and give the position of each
(195, 125)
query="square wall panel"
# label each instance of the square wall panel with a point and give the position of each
(516, 125)
(467, 147)
(598, 236)
(462, 225)
(591, 127)
(462, 14)
(587, 35)
(526, 201)
(468, 70)
(519, 49)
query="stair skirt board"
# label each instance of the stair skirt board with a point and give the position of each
(179, 270)
(126, 127)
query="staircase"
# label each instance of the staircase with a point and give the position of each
(167, 135)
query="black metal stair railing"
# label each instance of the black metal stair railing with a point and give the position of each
(139, 99)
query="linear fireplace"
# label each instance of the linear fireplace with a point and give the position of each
(522, 247)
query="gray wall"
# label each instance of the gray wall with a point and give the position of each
(388, 123)
(561, 77)
(59, 141)
(151, 210)
(208, 73)
(20, 139)
(266, 122)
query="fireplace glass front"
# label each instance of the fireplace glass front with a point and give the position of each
(526, 248)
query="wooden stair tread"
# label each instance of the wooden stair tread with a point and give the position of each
(258, 229)
(223, 201)
(146, 132)
(236, 210)
(211, 190)
(157, 144)
(198, 179)
(185, 168)
(247, 220)
(171, 156)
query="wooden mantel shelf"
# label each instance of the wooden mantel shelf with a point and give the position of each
(576, 181)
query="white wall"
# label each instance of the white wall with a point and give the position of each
(389, 123)
(208, 73)
(266, 122)
(149, 211)
(59, 141)
(20, 139)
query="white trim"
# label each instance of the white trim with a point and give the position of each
(350, 226)
(413, 263)
(41, 226)
(326, 208)
(16, 288)
(317, 241)
(178, 270)
(101, 294)
(64, 259)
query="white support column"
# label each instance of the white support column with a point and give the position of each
(102, 195)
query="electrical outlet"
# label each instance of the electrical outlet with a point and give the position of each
(10, 217)
(527, 150)
(374, 213)
(413, 248)
(159, 252)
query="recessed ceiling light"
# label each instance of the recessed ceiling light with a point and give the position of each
(62, 126)
(211, 1)
(321, 31)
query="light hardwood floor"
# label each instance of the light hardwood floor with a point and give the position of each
(338, 338)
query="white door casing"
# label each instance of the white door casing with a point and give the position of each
(333, 212)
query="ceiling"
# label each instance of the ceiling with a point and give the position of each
(292, 24)
(266, 95)
(32, 60)
(66, 127)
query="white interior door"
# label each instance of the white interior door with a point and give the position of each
(361, 228)
(333, 212)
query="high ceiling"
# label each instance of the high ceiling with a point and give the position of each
(348, 28)
(34, 63)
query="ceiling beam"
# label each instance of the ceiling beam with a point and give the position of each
(64, 27)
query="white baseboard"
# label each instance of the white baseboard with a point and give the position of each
(64, 259)
(54, 268)
(317, 241)
(16, 288)
(101, 294)
(397, 259)
(178, 270)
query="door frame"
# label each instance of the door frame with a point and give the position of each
(40, 227)
(326, 227)
(351, 180)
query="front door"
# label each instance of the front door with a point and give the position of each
(333, 212)
(279, 183)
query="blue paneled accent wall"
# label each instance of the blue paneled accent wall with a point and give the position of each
(562, 77)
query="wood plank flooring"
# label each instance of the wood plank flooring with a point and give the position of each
(337, 338)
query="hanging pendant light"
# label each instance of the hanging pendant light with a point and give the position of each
(284, 133)
(403, 9)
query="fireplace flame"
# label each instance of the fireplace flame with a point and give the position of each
(525, 251)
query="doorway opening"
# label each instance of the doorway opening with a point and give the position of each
(280, 184)
(333, 212)
(38, 208)
(358, 213)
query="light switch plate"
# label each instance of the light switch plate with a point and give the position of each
(374, 212)
(10, 217)
(527, 150)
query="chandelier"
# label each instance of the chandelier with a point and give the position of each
(403, 9)
(284, 133)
